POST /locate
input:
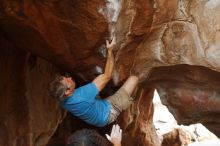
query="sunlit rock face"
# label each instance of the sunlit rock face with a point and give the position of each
(171, 32)
(154, 39)
(191, 93)
(161, 38)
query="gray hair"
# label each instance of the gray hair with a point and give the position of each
(57, 89)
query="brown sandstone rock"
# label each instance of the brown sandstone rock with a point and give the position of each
(155, 38)
(182, 32)
(177, 137)
(28, 116)
(57, 30)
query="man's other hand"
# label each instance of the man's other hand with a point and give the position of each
(115, 136)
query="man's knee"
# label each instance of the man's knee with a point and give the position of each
(130, 84)
(125, 99)
(121, 99)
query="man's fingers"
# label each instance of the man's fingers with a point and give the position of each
(116, 131)
(116, 128)
(111, 44)
(120, 131)
(113, 39)
(108, 137)
(107, 43)
(120, 134)
(113, 130)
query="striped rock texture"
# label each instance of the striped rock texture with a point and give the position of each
(172, 45)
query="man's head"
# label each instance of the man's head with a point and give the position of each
(61, 87)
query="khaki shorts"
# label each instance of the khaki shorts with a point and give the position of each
(118, 102)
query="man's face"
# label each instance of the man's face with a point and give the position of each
(69, 83)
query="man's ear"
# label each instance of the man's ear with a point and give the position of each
(68, 92)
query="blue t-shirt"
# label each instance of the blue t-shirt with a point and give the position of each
(84, 105)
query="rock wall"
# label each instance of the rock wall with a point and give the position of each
(167, 33)
(57, 30)
(156, 34)
(172, 45)
(191, 93)
(28, 116)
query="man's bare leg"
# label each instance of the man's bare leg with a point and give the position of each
(130, 84)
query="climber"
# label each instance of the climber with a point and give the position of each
(82, 101)
(87, 137)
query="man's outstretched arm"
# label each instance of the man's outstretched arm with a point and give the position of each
(101, 80)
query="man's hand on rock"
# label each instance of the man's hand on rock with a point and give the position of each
(111, 45)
